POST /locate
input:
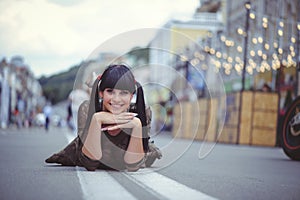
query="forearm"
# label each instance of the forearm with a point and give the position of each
(92, 144)
(135, 151)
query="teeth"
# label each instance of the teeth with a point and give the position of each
(116, 106)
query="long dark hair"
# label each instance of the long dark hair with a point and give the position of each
(120, 77)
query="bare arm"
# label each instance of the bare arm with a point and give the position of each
(92, 144)
(135, 151)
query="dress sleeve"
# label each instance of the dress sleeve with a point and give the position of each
(82, 117)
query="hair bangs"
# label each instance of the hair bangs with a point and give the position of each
(118, 77)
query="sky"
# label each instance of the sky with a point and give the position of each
(54, 35)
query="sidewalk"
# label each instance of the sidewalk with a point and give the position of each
(33, 129)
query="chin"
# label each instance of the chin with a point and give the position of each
(113, 111)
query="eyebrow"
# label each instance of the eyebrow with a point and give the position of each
(117, 89)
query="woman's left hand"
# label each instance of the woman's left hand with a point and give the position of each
(134, 123)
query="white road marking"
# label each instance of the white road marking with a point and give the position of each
(166, 187)
(100, 185)
(70, 137)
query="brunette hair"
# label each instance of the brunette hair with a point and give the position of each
(119, 76)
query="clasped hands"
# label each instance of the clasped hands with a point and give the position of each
(117, 121)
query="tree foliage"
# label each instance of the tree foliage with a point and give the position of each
(57, 87)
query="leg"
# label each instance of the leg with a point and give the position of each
(153, 154)
(70, 155)
(47, 123)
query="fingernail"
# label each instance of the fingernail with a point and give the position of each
(135, 114)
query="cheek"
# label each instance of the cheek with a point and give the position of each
(127, 100)
(106, 97)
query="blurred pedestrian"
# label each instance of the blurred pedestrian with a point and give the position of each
(21, 112)
(266, 88)
(47, 110)
(70, 122)
(16, 116)
(76, 97)
(112, 132)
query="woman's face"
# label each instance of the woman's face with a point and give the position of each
(116, 101)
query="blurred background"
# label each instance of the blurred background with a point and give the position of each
(252, 45)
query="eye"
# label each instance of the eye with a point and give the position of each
(109, 90)
(124, 92)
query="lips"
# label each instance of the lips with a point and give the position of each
(116, 106)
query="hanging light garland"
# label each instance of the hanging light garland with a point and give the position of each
(264, 54)
(262, 46)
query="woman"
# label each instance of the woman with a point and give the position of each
(112, 132)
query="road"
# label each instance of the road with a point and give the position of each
(227, 172)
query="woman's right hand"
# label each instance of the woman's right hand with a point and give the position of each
(109, 118)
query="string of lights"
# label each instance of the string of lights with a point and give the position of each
(266, 53)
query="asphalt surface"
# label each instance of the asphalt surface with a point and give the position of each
(227, 172)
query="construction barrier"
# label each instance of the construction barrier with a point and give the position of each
(249, 120)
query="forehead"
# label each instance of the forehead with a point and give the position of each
(115, 90)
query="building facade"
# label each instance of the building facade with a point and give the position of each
(21, 93)
(177, 50)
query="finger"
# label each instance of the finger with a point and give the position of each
(104, 129)
(133, 114)
(111, 128)
(107, 128)
(122, 121)
(125, 117)
(128, 114)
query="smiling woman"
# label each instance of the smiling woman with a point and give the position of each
(116, 101)
(112, 133)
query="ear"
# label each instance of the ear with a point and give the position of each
(100, 94)
(131, 96)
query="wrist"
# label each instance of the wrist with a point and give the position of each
(98, 116)
(137, 122)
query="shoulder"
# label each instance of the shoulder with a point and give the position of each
(148, 114)
(84, 106)
(83, 114)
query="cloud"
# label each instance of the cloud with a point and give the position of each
(66, 2)
(37, 26)
(72, 29)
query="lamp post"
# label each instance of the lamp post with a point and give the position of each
(247, 6)
(298, 60)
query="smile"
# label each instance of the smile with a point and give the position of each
(116, 105)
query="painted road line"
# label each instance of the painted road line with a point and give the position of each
(100, 185)
(70, 137)
(165, 186)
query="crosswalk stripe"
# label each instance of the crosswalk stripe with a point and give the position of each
(165, 186)
(100, 184)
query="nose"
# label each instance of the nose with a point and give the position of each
(116, 97)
